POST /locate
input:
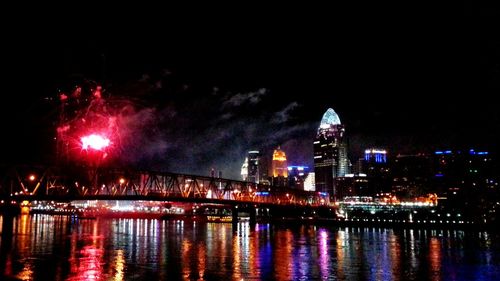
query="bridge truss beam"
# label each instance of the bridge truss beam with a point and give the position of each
(122, 184)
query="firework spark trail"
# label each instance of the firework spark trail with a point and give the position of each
(117, 125)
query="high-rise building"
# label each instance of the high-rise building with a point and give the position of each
(462, 173)
(297, 176)
(244, 170)
(279, 168)
(330, 153)
(352, 186)
(411, 175)
(254, 166)
(467, 180)
(376, 167)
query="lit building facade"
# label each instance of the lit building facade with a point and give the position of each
(330, 153)
(310, 182)
(244, 170)
(279, 168)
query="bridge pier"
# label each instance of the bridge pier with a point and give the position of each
(9, 209)
(244, 211)
(7, 227)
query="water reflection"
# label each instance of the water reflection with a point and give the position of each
(87, 265)
(87, 262)
(119, 266)
(42, 247)
(435, 258)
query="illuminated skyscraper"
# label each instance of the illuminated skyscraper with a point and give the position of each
(279, 167)
(330, 153)
(254, 166)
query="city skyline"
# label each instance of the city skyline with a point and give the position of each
(295, 142)
(400, 91)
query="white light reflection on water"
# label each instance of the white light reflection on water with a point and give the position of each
(324, 257)
(42, 247)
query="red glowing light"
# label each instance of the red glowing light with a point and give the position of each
(97, 92)
(95, 142)
(32, 177)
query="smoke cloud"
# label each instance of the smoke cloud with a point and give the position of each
(193, 130)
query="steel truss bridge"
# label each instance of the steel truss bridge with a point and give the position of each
(80, 183)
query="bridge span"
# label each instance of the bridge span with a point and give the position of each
(68, 184)
(77, 183)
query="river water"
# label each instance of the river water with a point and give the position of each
(45, 247)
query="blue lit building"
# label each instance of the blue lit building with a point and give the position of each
(376, 155)
(375, 166)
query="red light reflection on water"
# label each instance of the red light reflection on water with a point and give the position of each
(435, 258)
(88, 264)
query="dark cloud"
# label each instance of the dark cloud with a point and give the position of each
(140, 137)
(209, 93)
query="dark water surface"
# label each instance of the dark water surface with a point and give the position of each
(44, 247)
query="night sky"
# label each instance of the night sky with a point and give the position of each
(208, 86)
